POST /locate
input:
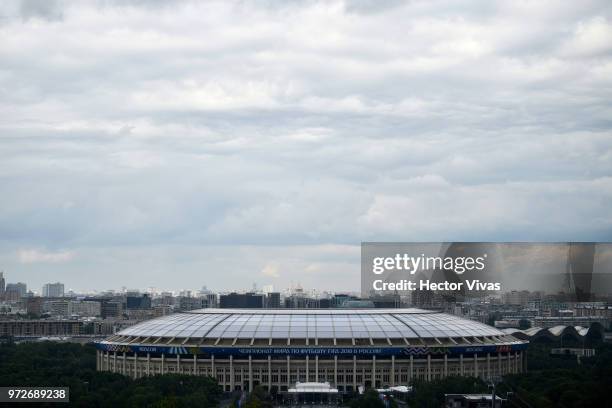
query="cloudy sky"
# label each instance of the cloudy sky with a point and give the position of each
(227, 143)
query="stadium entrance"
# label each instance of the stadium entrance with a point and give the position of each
(313, 393)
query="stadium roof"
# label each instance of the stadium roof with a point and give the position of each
(578, 332)
(228, 324)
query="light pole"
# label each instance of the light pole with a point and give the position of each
(493, 382)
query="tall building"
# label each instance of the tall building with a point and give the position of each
(84, 308)
(274, 300)
(58, 307)
(111, 308)
(242, 300)
(137, 301)
(65, 307)
(190, 303)
(53, 289)
(212, 300)
(2, 283)
(17, 290)
(34, 306)
(579, 270)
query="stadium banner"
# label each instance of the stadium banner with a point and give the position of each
(310, 351)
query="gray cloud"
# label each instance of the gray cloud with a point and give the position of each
(140, 126)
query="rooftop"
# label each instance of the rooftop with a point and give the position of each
(253, 326)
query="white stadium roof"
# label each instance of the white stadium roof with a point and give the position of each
(310, 323)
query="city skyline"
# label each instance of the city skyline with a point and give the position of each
(579, 268)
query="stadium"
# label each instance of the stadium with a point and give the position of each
(347, 348)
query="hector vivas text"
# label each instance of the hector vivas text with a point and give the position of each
(407, 264)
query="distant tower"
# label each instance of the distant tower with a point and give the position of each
(579, 270)
(2, 284)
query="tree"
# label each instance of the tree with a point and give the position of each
(369, 399)
(259, 398)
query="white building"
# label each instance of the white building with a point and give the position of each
(53, 289)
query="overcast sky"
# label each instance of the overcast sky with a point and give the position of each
(184, 144)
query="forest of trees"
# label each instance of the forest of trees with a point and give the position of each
(562, 381)
(550, 381)
(74, 366)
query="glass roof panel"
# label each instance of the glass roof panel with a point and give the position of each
(392, 323)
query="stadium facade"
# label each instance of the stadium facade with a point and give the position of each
(276, 348)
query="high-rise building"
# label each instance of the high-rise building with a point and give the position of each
(190, 303)
(242, 300)
(579, 270)
(137, 301)
(111, 309)
(58, 307)
(2, 283)
(274, 300)
(34, 306)
(212, 300)
(17, 290)
(53, 289)
(85, 308)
